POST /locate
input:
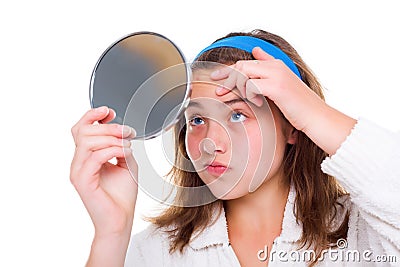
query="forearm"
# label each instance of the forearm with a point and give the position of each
(366, 165)
(328, 127)
(108, 251)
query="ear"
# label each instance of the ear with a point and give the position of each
(292, 136)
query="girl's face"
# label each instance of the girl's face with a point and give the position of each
(234, 145)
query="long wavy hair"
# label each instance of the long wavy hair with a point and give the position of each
(317, 194)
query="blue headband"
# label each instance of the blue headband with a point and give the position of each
(248, 43)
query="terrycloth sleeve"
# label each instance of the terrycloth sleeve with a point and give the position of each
(146, 249)
(367, 165)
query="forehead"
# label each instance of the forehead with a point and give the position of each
(204, 87)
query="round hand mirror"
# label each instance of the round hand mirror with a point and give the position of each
(145, 79)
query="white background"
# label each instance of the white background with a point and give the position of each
(48, 50)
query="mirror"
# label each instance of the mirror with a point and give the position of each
(145, 79)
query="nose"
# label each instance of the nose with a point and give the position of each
(216, 140)
(207, 145)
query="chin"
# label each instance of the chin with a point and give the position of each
(227, 192)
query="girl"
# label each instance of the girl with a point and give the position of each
(295, 180)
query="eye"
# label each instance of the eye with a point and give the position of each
(196, 121)
(238, 117)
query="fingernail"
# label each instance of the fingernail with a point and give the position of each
(126, 143)
(219, 90)
(126, 130)
(133, 133)
(214, 73)
(101, 109)
(257, 100)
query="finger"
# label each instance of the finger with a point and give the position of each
(257, 88)
(93, 115)
(230, 81)
(93, 143)
(241, 79)
(254, 93)
(100, 157)
(111, 115)
(221, 90)
(243, 71)
(116, 130)
(260, 54)
(95, 137)
(129, 162)
(258, 69)
(93, 164)
(90, 117)
(221, 73)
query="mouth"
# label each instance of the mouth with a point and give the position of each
(216, 168)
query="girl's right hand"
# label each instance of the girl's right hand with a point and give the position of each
(302, 107)
(108, 191)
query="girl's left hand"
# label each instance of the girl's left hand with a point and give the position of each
(302, 107)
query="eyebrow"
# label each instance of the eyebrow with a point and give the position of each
(236, 100)
(228, 102)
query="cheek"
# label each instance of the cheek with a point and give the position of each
(262, 155)
(246, 152)
(192, 146)
(255, 157)
(254, 143)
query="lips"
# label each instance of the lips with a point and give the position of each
(216, 168)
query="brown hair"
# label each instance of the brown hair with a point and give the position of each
(317, 194)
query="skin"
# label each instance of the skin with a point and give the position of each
(250, 141)
(269, 77)
(109, 192)
(251, 222)
(233, 132)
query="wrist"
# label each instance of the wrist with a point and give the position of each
(109, 249)
(329, 128)
(115, 237)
